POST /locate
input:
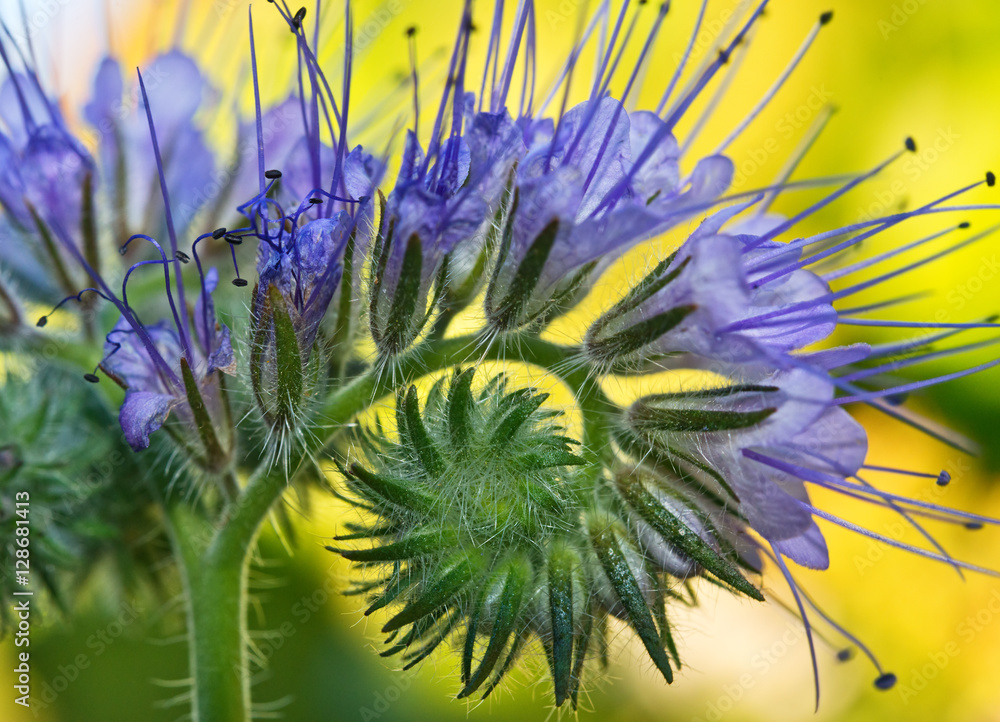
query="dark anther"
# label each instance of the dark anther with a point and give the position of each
(122, 250)
(411, 31)
(239, 282)
(272, 174)
(92, 378)
(42, 321)
(973, 525)
(235, 240)
(826, 17)
(944, 478)
(723, 57)
(316, 201)
(886, 681)
(990, 178)
(300, 15)
(911, 145)
(964, 224)
(845, 654)
(218, 233)
(183, 257)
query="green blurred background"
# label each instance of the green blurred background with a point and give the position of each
(926, 68)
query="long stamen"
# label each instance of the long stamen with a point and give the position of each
(792, 267)
(679, 71)
(824, 19)
(802, 612)
(800, 152)
(182, 327)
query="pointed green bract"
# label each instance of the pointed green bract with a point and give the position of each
(680, 536)
(622, 579)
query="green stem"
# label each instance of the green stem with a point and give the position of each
(216, 595)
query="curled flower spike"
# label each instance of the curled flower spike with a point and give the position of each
(481, 528)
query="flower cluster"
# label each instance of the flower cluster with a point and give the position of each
(487, 517)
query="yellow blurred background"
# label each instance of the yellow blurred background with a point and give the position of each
(892, 68)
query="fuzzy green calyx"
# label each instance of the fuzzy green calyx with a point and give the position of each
(485, 527)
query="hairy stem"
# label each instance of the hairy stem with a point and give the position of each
(216, 596)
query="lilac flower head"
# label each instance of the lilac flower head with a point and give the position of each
(151, 393)
(117, 112)
(581, 200)
(444, 202)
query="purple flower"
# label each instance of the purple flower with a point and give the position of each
(117, 112)
(581, 200)
(149, 368)
(706, 300)
(306, 270)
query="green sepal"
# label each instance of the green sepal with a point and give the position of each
(455, 576)
(414, 658)
(646, 417)
(518, 575)
(615, 565)
(394, 491)
(290, 379)
(460, 406)
(413, 546)
(387, 597)
(640, 334)
(580, 654)
(521, 637)
(507, 314)
(515, 418)
(682, 537)
(649, 286)
(414, 434)
(549, 458)
(561, 563)
(51, 251)
(398, 331)
(88, 224)
(215, 458)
